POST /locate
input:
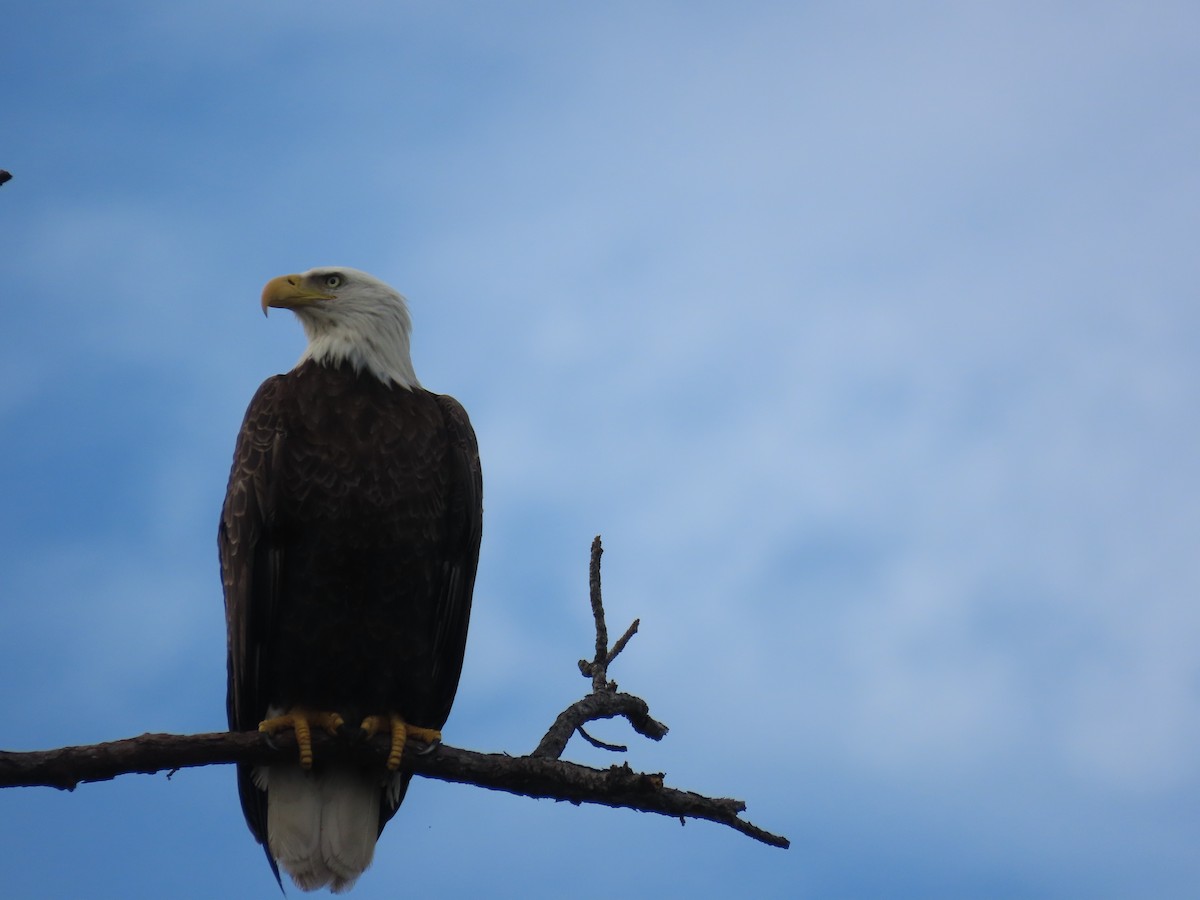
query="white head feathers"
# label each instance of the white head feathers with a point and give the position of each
(349, 316)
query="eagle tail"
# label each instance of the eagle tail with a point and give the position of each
(322, 826)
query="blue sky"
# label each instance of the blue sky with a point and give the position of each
(865, 334)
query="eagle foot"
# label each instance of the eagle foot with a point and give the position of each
(302, 721)
(401, 732)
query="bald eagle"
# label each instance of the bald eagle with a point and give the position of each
(348, 543)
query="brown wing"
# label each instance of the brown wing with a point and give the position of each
(460, 559)
(464, 512)
(248, 573)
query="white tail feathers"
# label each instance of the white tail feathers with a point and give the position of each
(322, 826)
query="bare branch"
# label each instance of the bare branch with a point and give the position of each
(599, 744)
(623, 640)
(540, 774)
(598, 705)
(597, 669)
(528, 776)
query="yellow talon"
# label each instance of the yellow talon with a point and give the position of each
(301, 722)
(401, 732)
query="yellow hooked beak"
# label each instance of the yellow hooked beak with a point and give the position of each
(289, 292)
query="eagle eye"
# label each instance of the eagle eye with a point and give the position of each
(333, 281)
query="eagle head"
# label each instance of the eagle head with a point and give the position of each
(348, 316)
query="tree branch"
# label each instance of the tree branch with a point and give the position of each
(598, 705)
(529, 776)
(540, 774)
